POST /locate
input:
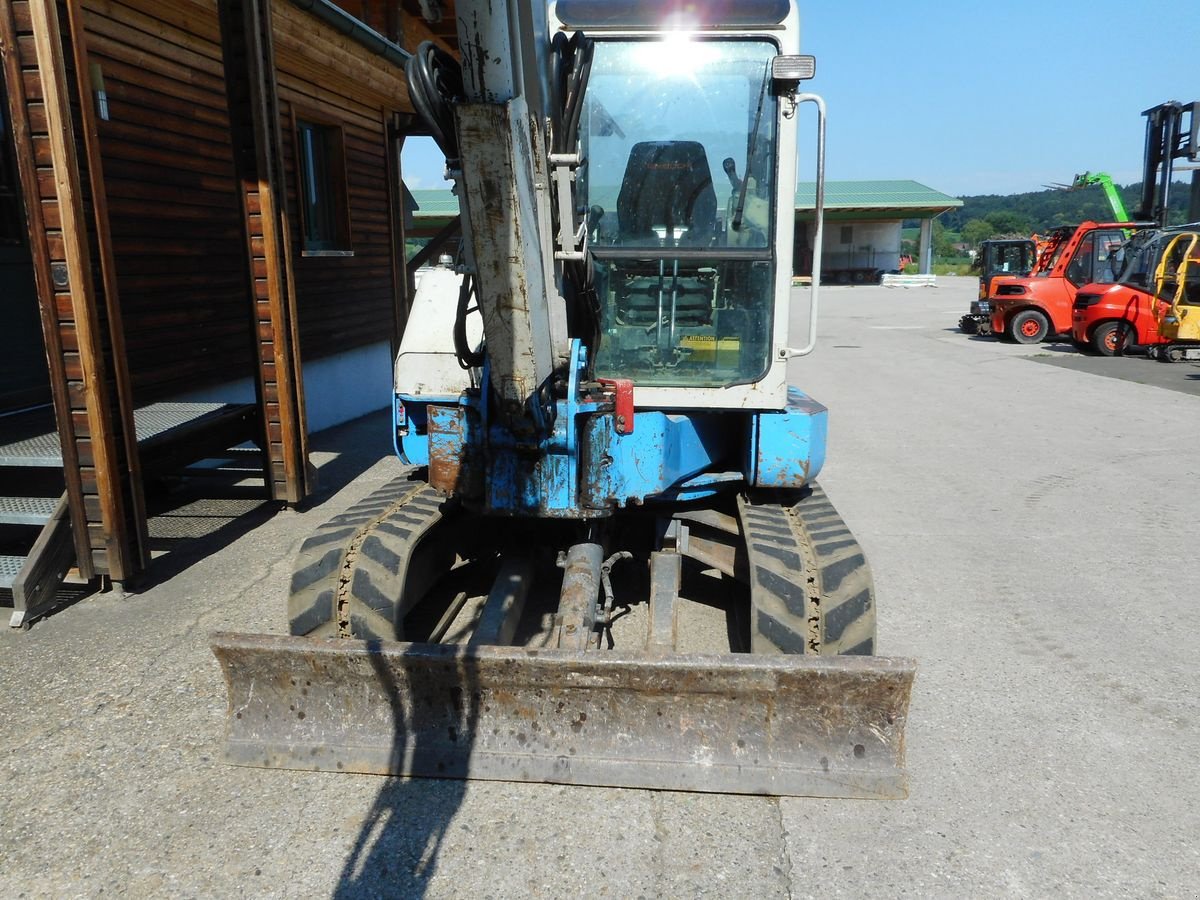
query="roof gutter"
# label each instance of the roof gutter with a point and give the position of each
(363, 35)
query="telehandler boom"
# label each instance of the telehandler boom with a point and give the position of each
(600, 381)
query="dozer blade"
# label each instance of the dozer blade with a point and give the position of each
(731, 723)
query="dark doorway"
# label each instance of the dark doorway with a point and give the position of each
(24, 376)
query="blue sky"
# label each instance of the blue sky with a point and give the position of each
(983, 98)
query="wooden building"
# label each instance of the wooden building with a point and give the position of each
(201, 220)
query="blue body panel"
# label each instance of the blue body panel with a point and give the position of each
(584, 468)
(664, 450)
(788, 447)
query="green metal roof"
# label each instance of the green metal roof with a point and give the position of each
(875, 196)
(435, 204)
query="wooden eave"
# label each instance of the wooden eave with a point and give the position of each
(412, 28)
(309, 49)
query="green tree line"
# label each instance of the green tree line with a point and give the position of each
(993, 215)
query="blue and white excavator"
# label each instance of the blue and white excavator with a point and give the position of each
(593, 402)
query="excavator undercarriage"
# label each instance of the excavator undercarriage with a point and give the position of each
(732, 658)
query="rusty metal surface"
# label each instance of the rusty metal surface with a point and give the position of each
(499, 191)
(447, 447)
(729, 558)
(736, 723)
(505, 603)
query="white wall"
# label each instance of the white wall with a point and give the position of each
(351, 384)
(875, 244)
(336, 388)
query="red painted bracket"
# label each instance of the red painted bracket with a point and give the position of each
(622, 403)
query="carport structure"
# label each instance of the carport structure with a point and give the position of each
(863, 220)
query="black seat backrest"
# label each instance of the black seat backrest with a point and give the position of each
(667, 184)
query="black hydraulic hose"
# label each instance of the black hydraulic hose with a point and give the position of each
(571, 70)
(434, 85)
(558, 76)
(582, 49)
(467, 357)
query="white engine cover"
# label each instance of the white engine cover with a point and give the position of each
(426, 365)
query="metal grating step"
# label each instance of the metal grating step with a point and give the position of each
(39, 450)
(26, 510)
(10, 568)
(157, 419)
(32, 439)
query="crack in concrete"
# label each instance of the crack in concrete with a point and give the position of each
(787, 870)
(660, 842)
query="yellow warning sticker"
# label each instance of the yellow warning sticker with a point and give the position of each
(706, 348)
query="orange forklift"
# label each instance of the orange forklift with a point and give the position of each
(997, 258)
(1038, 307)
(1113, 319)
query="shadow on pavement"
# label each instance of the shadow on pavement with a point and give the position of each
(396, 851)
(195, 517)
(1138, 369)
(343, 453)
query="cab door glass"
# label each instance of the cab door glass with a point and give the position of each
(1107, 244)
(1079, 270)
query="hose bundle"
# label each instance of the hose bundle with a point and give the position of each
(434, 84)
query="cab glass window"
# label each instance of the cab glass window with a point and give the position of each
(1079, 269)
(679, 142)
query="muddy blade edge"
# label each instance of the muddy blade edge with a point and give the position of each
(735, 723)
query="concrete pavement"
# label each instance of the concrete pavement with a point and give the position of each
(1027, 525)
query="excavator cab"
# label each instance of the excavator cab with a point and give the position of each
(685, 280)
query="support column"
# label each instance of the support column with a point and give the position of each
(77, 287)
(925, 254)
(253, 100)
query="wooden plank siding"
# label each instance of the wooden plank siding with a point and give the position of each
(344, 302)
(162, 266)
(401, 22)
(176, 226)
(127, 547)
(78, 295)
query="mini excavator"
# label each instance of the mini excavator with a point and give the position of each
(593, 406)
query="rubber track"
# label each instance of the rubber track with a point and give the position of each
(350, 575)
(810, 586)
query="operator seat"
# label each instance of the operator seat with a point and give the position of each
(667, 184)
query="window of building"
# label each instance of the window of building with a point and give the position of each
(847, 234)
(324, 212)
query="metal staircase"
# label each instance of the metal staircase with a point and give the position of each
(36, 546)
(36, 549)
